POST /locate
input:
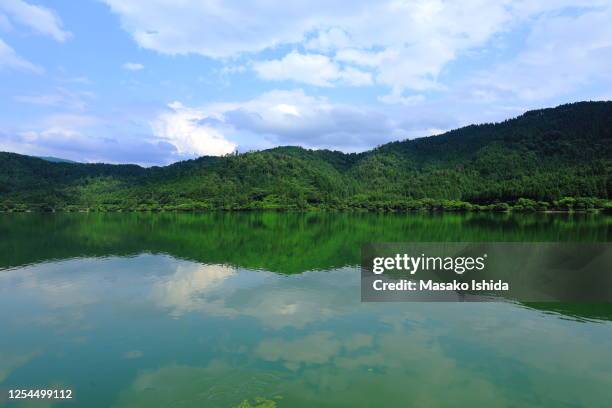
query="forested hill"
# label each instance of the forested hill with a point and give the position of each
(549, 158)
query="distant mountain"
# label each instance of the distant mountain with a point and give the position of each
(532, 161)
(55, 159)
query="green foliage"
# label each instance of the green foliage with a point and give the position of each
(300, 241)
(526, 204)
(551, 159)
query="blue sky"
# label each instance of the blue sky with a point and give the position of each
(156, 81)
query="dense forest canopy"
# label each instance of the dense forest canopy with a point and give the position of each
(556, 158)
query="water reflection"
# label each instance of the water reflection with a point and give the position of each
(214, 335)
(278, 242)
(132, 326)
(186, 289)
(217, 384)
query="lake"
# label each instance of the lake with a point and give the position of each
(263, 309)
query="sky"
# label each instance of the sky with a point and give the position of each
(157, 81)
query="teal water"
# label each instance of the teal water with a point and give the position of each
(210, 310)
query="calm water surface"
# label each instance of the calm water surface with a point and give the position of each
(210, 310)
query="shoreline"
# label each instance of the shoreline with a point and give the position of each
(599, 211)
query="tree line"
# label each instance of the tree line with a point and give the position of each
(550, 159)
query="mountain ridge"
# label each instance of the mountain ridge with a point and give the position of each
(542, 155)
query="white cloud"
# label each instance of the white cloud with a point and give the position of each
(355, 77)
(436, 65)
(407, 46)
(69, 120)
(61, 130)
(316, 348)
(10, 59)
(561, 54)
(329, 40)
(281, 117)
(293, 117)
(180, 131)
(60, 98)
(217, 290)
(133, 66)
(215, 29)
(394, 98)
(233, 69)
(86, 138)
(185, 128)
(313, 69)
(182, 292)
(364, 58)
(38, 18)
